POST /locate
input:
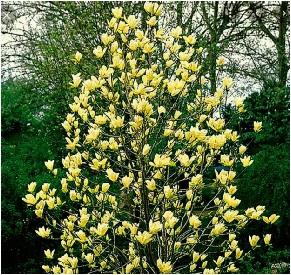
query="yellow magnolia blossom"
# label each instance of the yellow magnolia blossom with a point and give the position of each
(78, 57)
(132, 21)
(143, 238)
(254, 240)
(216, 142)
(146, 149)
(190, 40)
(232, 269)
(76, 80)
(160, 161)
(46, 268)
(126, 181)
(194, 221)
(151, 184)
(238, 253)
(117, 12)
(49, 254)
(31, 187)
(273, 218)
(155, 227)
(224, 159)
(164, 267)
(152, 21)
(216, 125)
(220, 61)
(218, 229)
(43, 232)
(242, 149)
(175, 33)
(112, 175)
(231, 201)
(230, 215)
(257, 126)
(226, 82)
(246, 161)
(105, 187)
(102, 229)
(99, 52)
(49, 164)
(106, 39)
(168, 191)
(219, 261)
(30, 199)
(267, 239)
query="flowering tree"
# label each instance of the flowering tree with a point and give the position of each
(142, 137)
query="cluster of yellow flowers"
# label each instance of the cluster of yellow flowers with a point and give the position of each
(137, 132)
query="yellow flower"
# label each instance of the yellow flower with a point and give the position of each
(226, 82)
(106, 39)
(246, 161)
(102, 229)
(117, 12)
(242, 149)
(46, 268)
(238, 101)
(218, 229)
(257, 126)
(126, 181)
(152, 21)
(99, 52)
(175, 33)
(143, 238)
(216, 142)
(253, 240)
(230, 215)
(232, 269)
(49, 254)
(230, 201)
(273, 218)
(219, 261)
(196, 257)
(116, 122)
(168, 191)
(194, 221)
(164, 267)
(30, 199)
(189, 40)
(224, 159)
(161, 109)
(160, 161)
(49, 164)
(267, 239)
(238, 253)
(151, 184)
(148, 48)
(155, 227)
(43, 232)
(112, 175)
(76, 80)
(78, 57)
(31, 187)
(195, 180)
(184, 160)
(148, 6)
(220, 61)
(89, 258)
(146, 149)
(105, 187)
(132, 21)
